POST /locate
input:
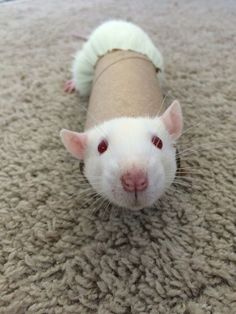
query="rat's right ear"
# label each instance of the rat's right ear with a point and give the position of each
(74, 142)
(173, 119)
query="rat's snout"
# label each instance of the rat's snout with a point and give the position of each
(134, 180)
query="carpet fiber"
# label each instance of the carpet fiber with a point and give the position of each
(57, 253)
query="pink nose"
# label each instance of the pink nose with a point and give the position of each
(134, 180)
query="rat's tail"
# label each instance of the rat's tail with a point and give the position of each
(107, 37)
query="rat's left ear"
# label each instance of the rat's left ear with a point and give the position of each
(173, 120)
(74, 142)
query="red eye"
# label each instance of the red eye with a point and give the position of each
(157, 142)
(102, 147)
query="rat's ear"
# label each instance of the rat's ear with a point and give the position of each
(173, 119)
(74, 142)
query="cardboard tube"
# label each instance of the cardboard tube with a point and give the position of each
(125, 84)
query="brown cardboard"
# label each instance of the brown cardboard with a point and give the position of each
(125, 84)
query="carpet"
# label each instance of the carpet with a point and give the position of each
(58, 254)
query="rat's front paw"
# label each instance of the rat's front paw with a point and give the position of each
(69, 86)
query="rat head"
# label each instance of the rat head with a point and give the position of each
(129, 161)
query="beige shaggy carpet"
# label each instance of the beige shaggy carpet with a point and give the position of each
(57, 253)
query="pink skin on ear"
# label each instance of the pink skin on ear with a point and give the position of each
(173, 120)
(74, 142)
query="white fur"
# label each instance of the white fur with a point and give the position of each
(108, 36)
(130, 144)
(129, 147)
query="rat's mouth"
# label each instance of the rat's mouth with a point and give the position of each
(137, 203)
(136, 207)
(132, 200)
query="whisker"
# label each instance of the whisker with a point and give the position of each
(87, 192)
(190, 180)
(162, 103)
(187, 185)
(188, 168)
(106, 209)
(191, 127)
(184, 185)
(208, 146)
(185, 171)
(101, 209)
(173, 190)
(94, 206)
(97, 123)
(97, 205)
(181, 177)
(185, 174)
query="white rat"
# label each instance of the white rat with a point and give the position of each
(128, 152)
